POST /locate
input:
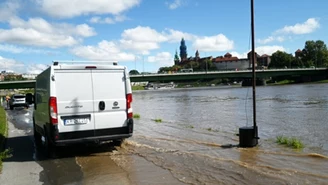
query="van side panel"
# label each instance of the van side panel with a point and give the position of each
(74, 99)
(109, 89)
(41, 114)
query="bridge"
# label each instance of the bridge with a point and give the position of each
(245, 74)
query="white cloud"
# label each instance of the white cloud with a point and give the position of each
(11, 65)
(239, 55)
(19, 67)
(8, 9)
(16, 49)
(39, 32)
(308, 26)
(213, 43)
(36, 68)
(261, 50)
(271, 39)
(73, 8)
(175, 35)
(104, 51)
(163, 58)
(143, 39)
(108, 20)
(143, 34)
(175, 4)
(268, 49)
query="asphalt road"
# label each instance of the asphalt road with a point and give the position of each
(74, 165)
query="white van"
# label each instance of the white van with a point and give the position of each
(82, 102)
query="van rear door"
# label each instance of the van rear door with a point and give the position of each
(109, 92)
(73, 89)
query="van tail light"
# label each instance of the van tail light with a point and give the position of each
(53, 110)
(128, 105)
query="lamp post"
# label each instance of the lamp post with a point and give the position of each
(206, 65)
(248, 136)
(143, 64)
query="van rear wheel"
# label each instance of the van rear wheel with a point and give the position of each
(37, 138)
(118, 142)
(49, 148)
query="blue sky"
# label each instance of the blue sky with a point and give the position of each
(145, 33)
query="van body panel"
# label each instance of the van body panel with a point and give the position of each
(42, 94)
(109, 89)
(74, 94)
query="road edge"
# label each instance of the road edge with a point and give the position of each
(3, 134)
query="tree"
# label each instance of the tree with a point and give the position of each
(296, 62)
(281, 59)
(134, 72)
(315, 53)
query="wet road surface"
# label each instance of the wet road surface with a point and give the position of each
(79, 164)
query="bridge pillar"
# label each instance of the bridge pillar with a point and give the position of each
(249, 82)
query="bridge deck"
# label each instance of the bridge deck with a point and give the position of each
(195, 76)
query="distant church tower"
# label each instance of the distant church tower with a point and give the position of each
(197, 56)
(176, 58)
(183, 50)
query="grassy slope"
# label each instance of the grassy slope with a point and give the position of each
(3, 133)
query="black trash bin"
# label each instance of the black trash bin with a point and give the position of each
(247, 137)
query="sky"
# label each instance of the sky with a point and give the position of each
(145, 34)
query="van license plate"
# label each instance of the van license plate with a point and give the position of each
(76, 121)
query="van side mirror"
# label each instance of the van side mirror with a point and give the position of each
(29, 98)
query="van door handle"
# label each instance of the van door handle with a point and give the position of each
(101, 105)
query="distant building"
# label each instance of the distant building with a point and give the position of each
(264, 60)
(29, 76)
(7, 72)
(183, 50)
(2, 77)
(228, 62)
(298, 53)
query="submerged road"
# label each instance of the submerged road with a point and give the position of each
(75, 165)
(186, 147)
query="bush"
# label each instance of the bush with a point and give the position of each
(291, 142)
(137, 116)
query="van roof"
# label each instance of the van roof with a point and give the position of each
(86, 65)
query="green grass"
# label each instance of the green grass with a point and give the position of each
(3, 134)
(322, 81)
(137, 87)
(158, 120)
(26, 91)
(137, 116)
(290, 142)
(190, 126)
(283, 82)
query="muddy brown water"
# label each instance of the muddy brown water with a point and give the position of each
(185, 148)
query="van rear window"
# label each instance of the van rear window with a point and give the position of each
(19, 97)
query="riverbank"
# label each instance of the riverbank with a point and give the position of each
(219, 82)
(288, 82)
(3, 134)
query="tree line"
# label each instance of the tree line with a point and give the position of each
(314, 53)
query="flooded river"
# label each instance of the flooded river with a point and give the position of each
(196, 122)
(185, 147)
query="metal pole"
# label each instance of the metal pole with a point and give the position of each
(143, 64)
(253, 70)
(206, 65)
